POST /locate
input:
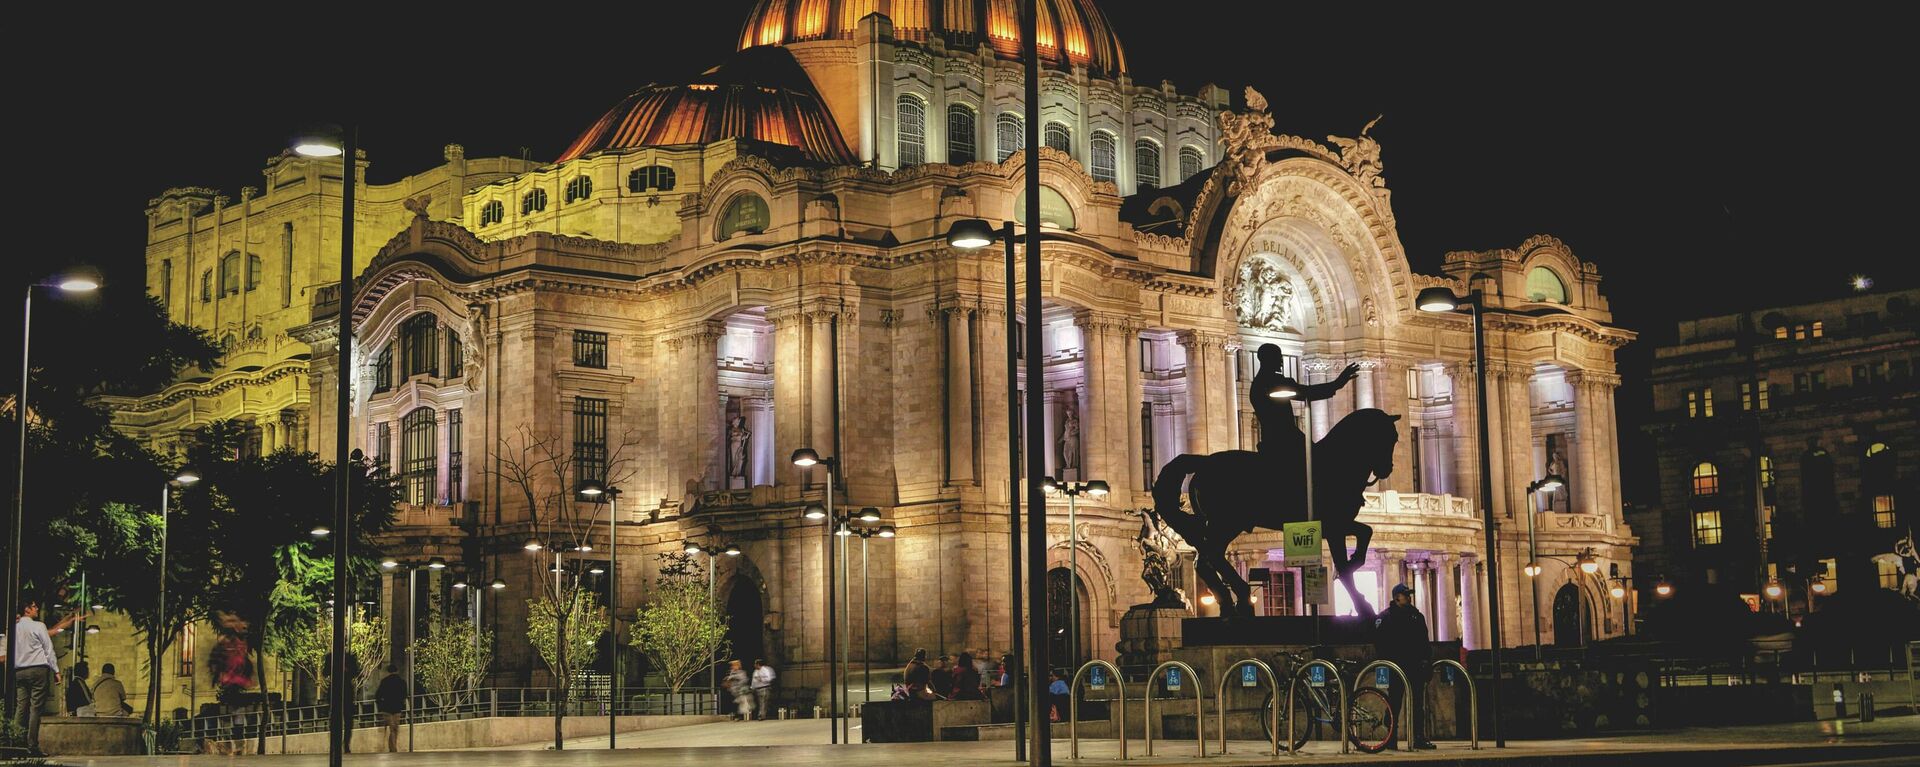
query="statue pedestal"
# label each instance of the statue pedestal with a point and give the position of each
(1149, 635)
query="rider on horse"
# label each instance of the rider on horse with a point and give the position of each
(1280, 439)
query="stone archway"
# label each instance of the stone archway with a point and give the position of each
(1569, 630)
(746, 618)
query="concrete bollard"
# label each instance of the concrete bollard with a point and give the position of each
(1866, 707)
(818, 712)
(783, 712)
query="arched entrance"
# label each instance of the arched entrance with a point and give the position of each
(1568, 629)
(745, 617)
(1061, 587)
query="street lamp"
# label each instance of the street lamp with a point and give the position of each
(1546, 484)
(83, 280)
(186, 476)
(866, 593)
(1662, 587)
(1442, 299)
(338, 141)
(595, 489)
(1073, 490)
(972, 234)
(692, 548)
(805, 458)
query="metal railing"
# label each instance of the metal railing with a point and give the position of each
(1220, 704)
(1199, 718)
(1407, 708)
(1073, 708)
(283, 721)
(1473, 700)
(1340, 713)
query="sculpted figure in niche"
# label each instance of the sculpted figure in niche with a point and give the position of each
(1265, 296)
(1070, 440)
(738, 436)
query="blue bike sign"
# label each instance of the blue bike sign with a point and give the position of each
(1317, 676)
(1248, 677)
(1173, 679)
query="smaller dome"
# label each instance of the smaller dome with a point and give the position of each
(760, 94)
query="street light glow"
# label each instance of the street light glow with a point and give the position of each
(732, 550)
(497, 584)
(805, 457)
(1588, 564)
(389, 563)
(1819, 585)
(1284, 391)
(690, 548)
(1663, 588)
(886, 531)
(1616, 592)
(815, 511)
(1437, 300)
(186, 476)
(532, 545)
(869, 515)
(320, 531)
(1532, 569)
(1773, 589)
(1097, 488)
(436, 563)
(970, 234)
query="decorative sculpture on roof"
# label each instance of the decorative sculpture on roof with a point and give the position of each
(417, 204)
(1248, 137)
(1264, 296)
(1361, 155)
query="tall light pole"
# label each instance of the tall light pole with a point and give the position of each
(80, 281)
(712, 552)
(185, 477)
(1546, 484)
(1073, 490)
(338, 141)
(1041, 749)
(866, 531)
(1440, 299)
(413, 622)
(596, 490)
(807, 457)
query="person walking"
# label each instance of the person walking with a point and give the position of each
(391, 701)
(740, 687)
(1060, 696)
(763, 677)
(966, 679)
(34, 672)
(1400, 636)
(109, 695)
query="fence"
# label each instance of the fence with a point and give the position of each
(443, 707)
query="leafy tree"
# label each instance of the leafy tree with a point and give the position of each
(682, 629)
(452, 659)
(588, 620)
(370, 644)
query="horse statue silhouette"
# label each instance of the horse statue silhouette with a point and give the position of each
(1235, 491)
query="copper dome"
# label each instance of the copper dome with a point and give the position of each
(1071, 31)
(760, 94)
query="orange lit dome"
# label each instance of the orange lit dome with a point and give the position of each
(1071, 31)
(761, 94)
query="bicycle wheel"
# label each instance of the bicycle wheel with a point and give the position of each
(1370, 724)
(1266, 717)
(1312, 717)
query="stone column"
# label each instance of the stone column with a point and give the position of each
(1210, 420)
(1393, 569)
(1445, 615)
(1473, 631)
(789, 394)
(1583, 453)
(694, 408)
(960, 423)
(822, 407)
(1389, 379)
(1198, 385)
(1130, 396)
(1466, 437)
(1106, 436)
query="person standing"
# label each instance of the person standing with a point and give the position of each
(391, 701)
(1400, 636)
(34, 672)
(1060, 696)
(763, 677)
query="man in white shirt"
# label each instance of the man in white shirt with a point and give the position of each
(762, 687)
(35, 671)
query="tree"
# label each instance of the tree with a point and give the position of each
(587, 621)
(451, 659)
(370, 644)
(682, 629)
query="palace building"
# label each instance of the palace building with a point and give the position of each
(722, 270)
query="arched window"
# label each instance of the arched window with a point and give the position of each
(420, 346)
(229, 274)
(745, 214)
(419, 454)
(1101, 156)
(492, 213)
(1057, 136)
(960, 135)
(1054, 210)
(253, 272)
(1706, 479)
(659, 178)
(1009, 135)
(1146, 164)
(206, 286)
(1191, 161)
(580, 188)
(1544, 285)
(533, 202)
(910, 129)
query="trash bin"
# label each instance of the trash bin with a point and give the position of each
(1866, 707)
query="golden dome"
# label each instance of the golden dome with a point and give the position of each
(1071, 31)
(760, 94)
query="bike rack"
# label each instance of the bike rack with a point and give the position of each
(1220, 701)
(1473, 700)
(1073, 708)
(1199, 719)
(1406, 712)
(1333, 672)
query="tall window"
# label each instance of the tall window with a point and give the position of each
(492, 213)
(420, 346)
(1883, 512)
(383, 369)
(229, 274)
(580, 188)
(1418, 447)
(455, 490)
(1706, 479)
(382, 438)
(1057, 136)
(589, 349)
(533, 202)
(1753, 395)
(253, 272)
(1146, 164)
(1146, 445)
(910, 129)
(1009, 135)
(1706, 528)
(1810, 382)
(206, 286)
(745, 214)
(456, 355)
(1766, 472)
(658, 178)
(286, 264)
(1700, 403)
(589, 438)
(419, 447)
(1102, 156)
(166, 283)
(961, 138)
(1191, 161)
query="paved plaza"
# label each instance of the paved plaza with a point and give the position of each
(802, 743)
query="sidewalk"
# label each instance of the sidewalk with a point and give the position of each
(801, 743)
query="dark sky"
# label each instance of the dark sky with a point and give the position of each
(1707, 159)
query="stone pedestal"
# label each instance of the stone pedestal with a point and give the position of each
(1149, 635)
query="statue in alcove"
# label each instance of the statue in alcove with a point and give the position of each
(1070, 441)
(738, 437)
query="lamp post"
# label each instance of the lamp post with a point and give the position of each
(1073, 490)
(185, 477)
(807, 457)
(80, 281)
(413, 622)
(691, 548)
(866, 531)
(1587, 564)
(1546, 484)
(337, 141)
(596, 490)
(1621, 592)
(1440, 299)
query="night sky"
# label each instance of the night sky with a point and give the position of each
(1707, 159)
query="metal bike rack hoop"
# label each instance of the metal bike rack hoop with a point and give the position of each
(1473, 700)
(1220, 701)
(1199, 718)
(1406, 710)
(1073, 708)
(1340, 716)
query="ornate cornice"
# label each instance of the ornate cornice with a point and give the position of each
(178, 393)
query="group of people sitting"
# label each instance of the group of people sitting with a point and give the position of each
(966, 677)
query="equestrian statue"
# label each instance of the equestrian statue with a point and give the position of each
(1235, 491)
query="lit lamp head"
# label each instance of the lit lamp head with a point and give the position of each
(1819, 584)
(815, 511)
(591, 488)
(1663, 588)
(1588, 563)
(91, 630)
(843, 530)
(1532, 569)
(805, 457)
(886, 531)
(869, 515)
(389, 563)
(1049, 484)
(497, 584)
(731, 550)
(970, 234)
(436, 563)
(597, 569)
(1437, 299)
(532, 544)
(460, 584)
(187, 475)
(583, 547)
(1773, 588)
(80, 280)
(1617, 592)
(1098, 488)
(320, 531)
(1284, 391)
(1549, 483)
(1207, 599)
(320, 141)
(690, 548)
